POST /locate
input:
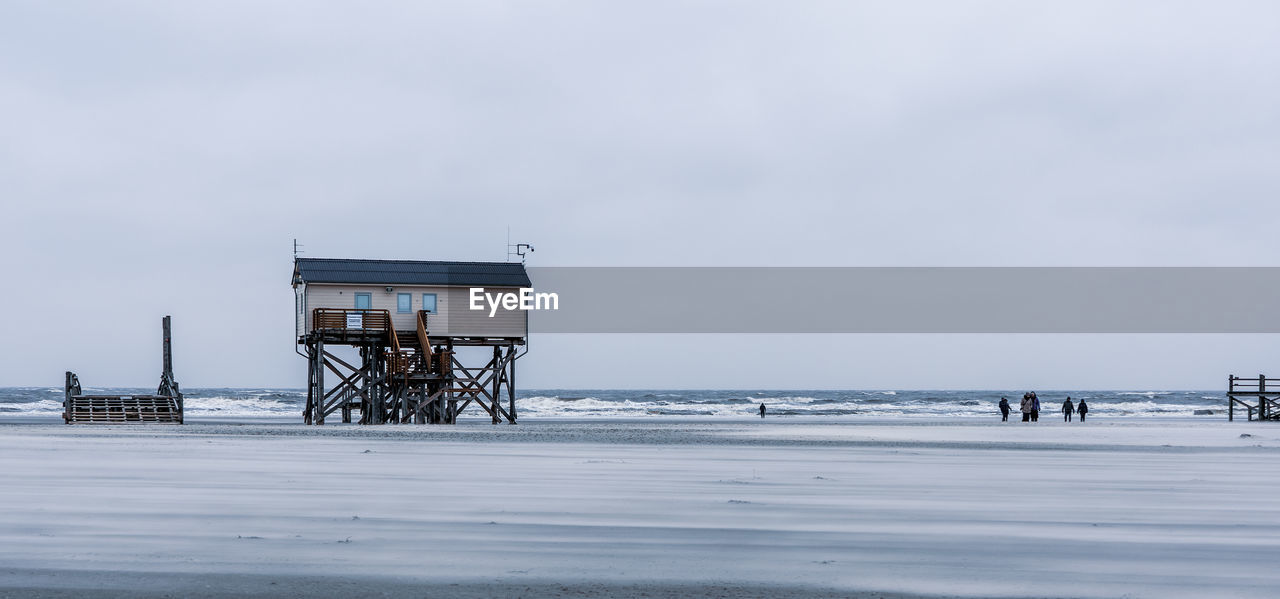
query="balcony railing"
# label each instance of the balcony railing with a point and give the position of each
(358, 320)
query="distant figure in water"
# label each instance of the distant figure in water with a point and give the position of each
(1026, 407)
(1082, 409)
(1004, 410)
(762, 410)
(1035, 407)
(1067, 410)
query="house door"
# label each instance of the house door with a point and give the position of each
(364, 301)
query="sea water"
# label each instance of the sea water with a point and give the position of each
(619, 403)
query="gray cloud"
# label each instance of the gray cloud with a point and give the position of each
(158, 157)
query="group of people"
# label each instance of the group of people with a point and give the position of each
(1031, 408)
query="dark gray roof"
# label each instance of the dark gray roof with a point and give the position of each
(412, 272)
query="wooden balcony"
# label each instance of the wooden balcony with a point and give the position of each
(350, 320)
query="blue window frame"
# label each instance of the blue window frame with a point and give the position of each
(364, 301)
(429, 302)
(404, 303)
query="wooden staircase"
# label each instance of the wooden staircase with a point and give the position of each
(417, 354)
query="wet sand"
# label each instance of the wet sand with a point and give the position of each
(656, 508)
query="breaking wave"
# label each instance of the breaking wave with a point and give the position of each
(613, 403)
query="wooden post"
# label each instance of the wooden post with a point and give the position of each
(168, 386)
(365, 401)
(405, 394)
(511, 382)
(497, 367)
(382, 391)
(319, 362)
(1231, 399)
(450, 402)
(375, 390)
(1262, 399)
(168, 351)
(311, 382)
(71, 388)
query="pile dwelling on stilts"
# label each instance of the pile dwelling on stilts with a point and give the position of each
(1257, 396)
(163, 407)
(413, 328)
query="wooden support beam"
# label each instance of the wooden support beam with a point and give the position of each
(511, 381)
(1231, 401)
(497, 358)
(318, 417)
(311, 385)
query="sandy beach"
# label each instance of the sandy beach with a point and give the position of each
(654, 508)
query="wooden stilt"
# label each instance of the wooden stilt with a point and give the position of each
(318, 417)
(511, 382)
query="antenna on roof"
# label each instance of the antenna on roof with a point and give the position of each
(520, 249)
(296, 248)
(517, 249)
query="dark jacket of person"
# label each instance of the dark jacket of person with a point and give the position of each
(1067, 407)
(1004, 405)
(1083, 409)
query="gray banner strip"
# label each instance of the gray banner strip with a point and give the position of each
(908, 300)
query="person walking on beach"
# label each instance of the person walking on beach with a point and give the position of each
(1067, 409)
(1035, 407)
(1004, 409)
(1026, 407)
(1082, 409)
(762, 410)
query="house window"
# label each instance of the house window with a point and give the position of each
(404, 303)
(364, 301)
(429, 302)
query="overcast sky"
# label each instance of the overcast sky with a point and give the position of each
(159, 157)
